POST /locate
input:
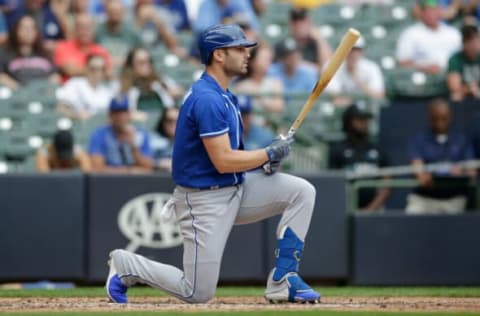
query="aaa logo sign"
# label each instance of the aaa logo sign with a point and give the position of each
(141, 221)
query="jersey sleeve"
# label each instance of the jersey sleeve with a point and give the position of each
(211, 115)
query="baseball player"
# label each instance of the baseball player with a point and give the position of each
(214, 191)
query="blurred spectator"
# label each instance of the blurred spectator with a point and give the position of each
(49, 18)
(250, 33)
(349, 2)
(84, 96)
(357, 76)
(115, 33)
(76, 8)
(120, 147)
(471, 8)
(449, 9)
(97, 7)
(62, 154)
(8, 6)
(224, 11)
(24, 60)
(152, 28)
(255, 136)
(177, 13)
(427, 45)
(162, 139)
(71, 55)
(296, 76)
(464, 67)
(146, 89)
(259, 6)
(357, 153)
(445, 190)
(3, 30)
(310, 41)
(256, 82)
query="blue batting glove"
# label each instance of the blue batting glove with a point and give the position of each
(279, 148)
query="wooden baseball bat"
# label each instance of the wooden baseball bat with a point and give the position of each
(348, 41)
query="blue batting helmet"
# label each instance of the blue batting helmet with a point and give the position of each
(221, 36)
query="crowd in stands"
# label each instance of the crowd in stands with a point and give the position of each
(129, 61)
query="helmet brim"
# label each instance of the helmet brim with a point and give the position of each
(240, 43)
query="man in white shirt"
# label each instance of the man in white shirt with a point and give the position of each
(85, 96)
(427, 45)
(358, 76)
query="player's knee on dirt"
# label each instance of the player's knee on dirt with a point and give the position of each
(202, 296)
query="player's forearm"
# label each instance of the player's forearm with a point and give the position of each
(240, 160)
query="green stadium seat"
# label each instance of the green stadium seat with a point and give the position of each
(20, 144)
(411, 83)
(44, 124)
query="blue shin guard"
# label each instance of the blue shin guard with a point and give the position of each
(288, 253)
(285, 275)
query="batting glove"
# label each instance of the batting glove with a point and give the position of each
(279, 148)
(270, 168)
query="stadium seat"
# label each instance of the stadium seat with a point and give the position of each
(20, 144)
(43, 124)
(410, 83)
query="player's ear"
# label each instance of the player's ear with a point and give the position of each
(219, 55)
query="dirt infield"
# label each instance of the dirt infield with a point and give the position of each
(243, 304)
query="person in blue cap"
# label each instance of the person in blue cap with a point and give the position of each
(214, 191)
(120, 147)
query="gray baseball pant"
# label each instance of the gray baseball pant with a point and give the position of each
(206, 218)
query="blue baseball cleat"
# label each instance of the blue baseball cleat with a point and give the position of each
(116, 290)
(290, 288)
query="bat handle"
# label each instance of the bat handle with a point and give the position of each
(291, 132)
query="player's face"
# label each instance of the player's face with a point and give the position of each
(236, 60)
